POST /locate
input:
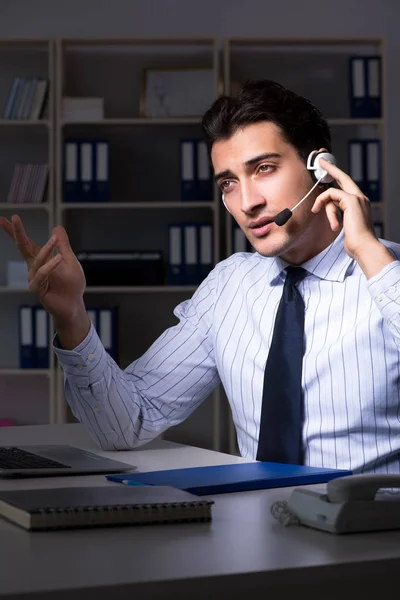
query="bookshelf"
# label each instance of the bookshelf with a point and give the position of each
(26, 395)
(144, 167)
(319, 70)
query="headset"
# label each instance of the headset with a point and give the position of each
(318, 174)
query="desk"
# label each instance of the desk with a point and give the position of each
(243, 553)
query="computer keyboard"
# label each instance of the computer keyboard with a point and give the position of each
(16, 458)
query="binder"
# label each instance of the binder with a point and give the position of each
(240, 243)
(373, 170)
(175, 258)
(107, 330)
(86, 183)
(196, 175)
(188, 186)
(93, 316)
(102, 171)
(365, 87)
(71, 171)
(191, 255)
(356, 163)
(206, 260)
(41, 337)
(233, 478)
(204, 182)
(26, 331)
(365, 167)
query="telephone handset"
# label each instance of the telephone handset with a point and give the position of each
(349, 504)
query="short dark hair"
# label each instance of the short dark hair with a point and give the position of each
(301, 123)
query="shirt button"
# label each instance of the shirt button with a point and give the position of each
(380, 297)
(91, 356)
(79, 366)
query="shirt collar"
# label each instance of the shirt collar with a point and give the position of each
(332, 263)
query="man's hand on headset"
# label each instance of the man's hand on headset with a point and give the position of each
(360, 241)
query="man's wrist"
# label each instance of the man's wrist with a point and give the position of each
(73, 330)
(372, 257)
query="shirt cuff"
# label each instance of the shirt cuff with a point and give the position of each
(385, 289)
(84, 364)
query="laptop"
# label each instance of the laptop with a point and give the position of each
(41, 460)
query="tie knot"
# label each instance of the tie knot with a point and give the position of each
(294, 275)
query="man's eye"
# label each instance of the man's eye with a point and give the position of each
(225, 185)
(265, 168)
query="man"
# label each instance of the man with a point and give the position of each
(259, 143)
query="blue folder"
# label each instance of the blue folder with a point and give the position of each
(232, 478)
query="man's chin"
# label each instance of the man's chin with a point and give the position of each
(270, 248)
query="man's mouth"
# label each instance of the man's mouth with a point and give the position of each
(262, 226)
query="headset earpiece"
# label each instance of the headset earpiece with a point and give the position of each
(317, 172)
(223, 200)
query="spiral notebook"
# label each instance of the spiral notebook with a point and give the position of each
(68, 507)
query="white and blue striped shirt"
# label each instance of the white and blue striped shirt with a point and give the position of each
(351, 367)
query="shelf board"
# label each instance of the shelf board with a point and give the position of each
(139, 121)
(350, 121)
(309, 41)
(24, 122)
(158, 289)
(135, 205)
(136, 41)
(8, 289)
(26, 372)
(24, 206)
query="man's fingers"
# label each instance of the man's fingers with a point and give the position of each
(23, 242)
(62, 239)
(344, 180)
(8, 227)
(328, 196)
(45, 253)
(42, 274)
(332, 214)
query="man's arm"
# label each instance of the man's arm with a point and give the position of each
(126, 408)
(384, 287)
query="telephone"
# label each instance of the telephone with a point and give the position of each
(349, 504)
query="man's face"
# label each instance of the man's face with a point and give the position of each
(260, 174)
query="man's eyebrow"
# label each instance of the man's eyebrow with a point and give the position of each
(265, 156)
(248, 163)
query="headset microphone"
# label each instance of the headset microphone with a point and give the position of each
(319, 174)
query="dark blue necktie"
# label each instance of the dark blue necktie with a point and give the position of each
(280, 437)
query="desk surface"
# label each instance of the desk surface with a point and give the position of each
(243, 548)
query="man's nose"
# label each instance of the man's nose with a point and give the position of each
(251, 199)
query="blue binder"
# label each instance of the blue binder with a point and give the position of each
(71, 170)
(107, 320)
(365, 166)
(26, 337)
(101, 170)
(175, 254)
(191, 258)
(206, 249)
(232, 478)
(196, 176)
(41, 337)
(365, 87)
(240, 243)
(86, 171)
